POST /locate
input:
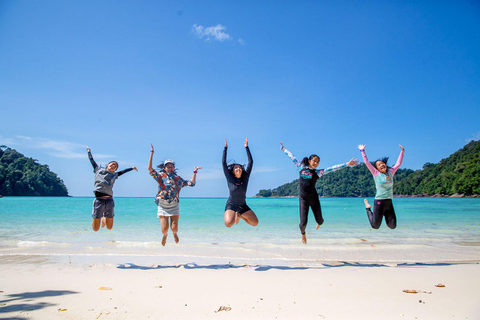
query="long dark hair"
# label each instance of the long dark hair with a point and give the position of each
(305, 160)
(384, 160)
(231, 166)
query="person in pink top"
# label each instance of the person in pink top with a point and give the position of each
(383, 176)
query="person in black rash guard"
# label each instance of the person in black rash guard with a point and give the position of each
(237, 181)
(103, 205)
(308, 196)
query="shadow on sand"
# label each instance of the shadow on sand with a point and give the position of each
(28, 301)
(193, 265)
(338, 264)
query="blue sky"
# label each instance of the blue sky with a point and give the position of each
(320, 76)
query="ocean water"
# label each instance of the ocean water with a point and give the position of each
(429, 230)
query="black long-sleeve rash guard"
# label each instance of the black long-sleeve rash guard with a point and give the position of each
(237, 186)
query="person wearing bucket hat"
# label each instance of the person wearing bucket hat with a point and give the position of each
(383, 177)
(103, 205)
(308, 196)
(167, 199)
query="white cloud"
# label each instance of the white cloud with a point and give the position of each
(475, 137)
(55, 148)
(241, 41)
(211, 33)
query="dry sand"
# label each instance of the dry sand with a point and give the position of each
(40, 288)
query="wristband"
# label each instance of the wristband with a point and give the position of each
(194, 171)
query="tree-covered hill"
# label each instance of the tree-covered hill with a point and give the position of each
(348, 182)
(22, 176)
(459, 173)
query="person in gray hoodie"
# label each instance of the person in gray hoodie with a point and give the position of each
(103, 205)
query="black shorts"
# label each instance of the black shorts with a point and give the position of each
(237, 208)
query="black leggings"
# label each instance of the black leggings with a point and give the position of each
(309, 202)
(382, 208)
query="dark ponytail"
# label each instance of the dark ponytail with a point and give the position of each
(305, 160)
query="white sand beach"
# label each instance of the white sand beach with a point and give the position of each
(45, 288)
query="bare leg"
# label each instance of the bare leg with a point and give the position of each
(164, 226)
(229, 218)
(96, 224)
(249, 217)
(109, 222)
(174, 227)
(104, 222)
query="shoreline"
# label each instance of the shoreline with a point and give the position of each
(456, 195)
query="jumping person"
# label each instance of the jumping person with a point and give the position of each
(383, 177)
(167, 199)
(103, 205)
(308, 196)
(237, 181)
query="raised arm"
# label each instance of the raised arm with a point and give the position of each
(399, 161)
(352, 163)
(150, 160)
(94, 164)
(249, 156)
(290, 155)
(224, 160)
(372, 169)
(194, 177)
(334, 168)
(126, 170)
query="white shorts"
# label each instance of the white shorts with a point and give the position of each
(166, 209)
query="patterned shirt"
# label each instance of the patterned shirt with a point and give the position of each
(169, 185)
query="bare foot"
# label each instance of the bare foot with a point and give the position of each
(104, 222)
(304, 239)
(176, 238)
(367, 205)
(164, 240)
(318, 226)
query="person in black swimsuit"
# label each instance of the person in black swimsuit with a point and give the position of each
(237, 181)
(308, 197)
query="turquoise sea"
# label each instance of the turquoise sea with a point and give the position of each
(430, 230)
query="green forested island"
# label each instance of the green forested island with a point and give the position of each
(22, 176)
(458, 174)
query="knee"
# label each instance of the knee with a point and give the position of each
(229, 224)
(375, 226)
(254, 223)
